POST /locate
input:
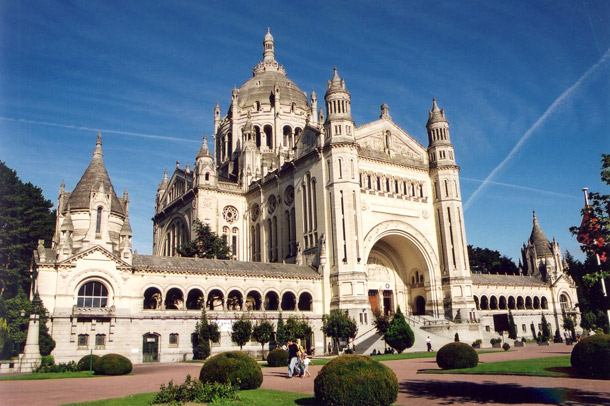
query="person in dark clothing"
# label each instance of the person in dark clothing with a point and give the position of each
(293, 359)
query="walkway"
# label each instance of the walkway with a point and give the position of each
(415, 389)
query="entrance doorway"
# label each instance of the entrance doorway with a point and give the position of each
(420, 306)
(150, 347)
(388, 305)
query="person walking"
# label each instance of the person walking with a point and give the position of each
(306, 361)
(293, 358)
(429, 344)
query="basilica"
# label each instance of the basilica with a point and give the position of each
(319, 213)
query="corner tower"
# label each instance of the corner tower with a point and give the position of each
(451, 234)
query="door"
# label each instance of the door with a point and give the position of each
(150, 348)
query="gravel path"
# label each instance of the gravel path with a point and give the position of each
(415, 388)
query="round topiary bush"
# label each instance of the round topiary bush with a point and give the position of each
(355, 380)
(457, 355)
(84, 363)
(234, 366)
(113, 364)
(591, 356)
(277, 358)
(506, 346)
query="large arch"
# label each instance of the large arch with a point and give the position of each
(400, 267)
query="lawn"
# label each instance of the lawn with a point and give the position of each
(256, 397)
(48, 375)
(549, 366)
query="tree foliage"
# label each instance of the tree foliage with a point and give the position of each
(512, 327)
(544, 329)
(262, 333)
(241, 332)
(280, 333)
(338, 325)
(484, 260)
(25, 218)
(206, 244)
(399, 335)
(297, 329)
(206, 332)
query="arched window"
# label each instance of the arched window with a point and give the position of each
(484, 303)
(520, 303)
(174, 299)
(271, 301)
(493, 303)
(476, 302)
(152, 299)
(98, 221)
(92, 294)
(536, 302)
(253, 301)
(194, 300)
(511, 303)
(215, 300)
(564, 301)
(305, 302)
(528, 303)
(235, 300)
(502, 303)
(544, 303)
(289, 301)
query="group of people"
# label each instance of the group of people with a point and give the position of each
(298, 362)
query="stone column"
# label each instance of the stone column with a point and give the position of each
(31, 358)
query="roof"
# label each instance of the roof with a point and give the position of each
(262, 85)
(514, 280)
(216, 267)
(539, 240)
(94, 175)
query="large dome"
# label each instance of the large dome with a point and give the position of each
(267, 75)
(261, 86)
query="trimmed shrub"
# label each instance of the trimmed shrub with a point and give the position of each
(236, 367)
(506, 346)
(195, 391)
(591, 356)
(84, 362)
(457, 355)
(355, 380)
(113, 364)
(277, 358)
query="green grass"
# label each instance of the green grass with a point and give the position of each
(549, 366)
(257, 397)
(48, 375)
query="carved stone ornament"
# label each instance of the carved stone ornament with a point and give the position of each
(230, 214)
(271, 204)
(289, 195)
(256, 211)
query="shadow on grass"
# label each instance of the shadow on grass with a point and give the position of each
(494, 393)
(307, 401)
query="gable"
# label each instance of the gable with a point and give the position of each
(307, 142)
(98, 255)
(387, 138)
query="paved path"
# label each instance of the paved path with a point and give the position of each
(415, 389)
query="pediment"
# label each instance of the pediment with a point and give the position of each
(385, 136)
(97, 253)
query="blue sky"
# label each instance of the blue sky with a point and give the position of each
(525, 86)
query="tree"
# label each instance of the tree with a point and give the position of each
(241, 332)
(533, 328)
(568, 324)
(297, 329)
(381, 323)
(280, 334)
(262, 333)
(484, 260)
(545, 330)
(25, 218)
(399, 335)
(337, 325)
(512, 327)
(206, 332)
(206, 244)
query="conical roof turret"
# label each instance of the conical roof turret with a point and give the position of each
(539, 240)
(204, 151)
(436, 115)
(95, 176)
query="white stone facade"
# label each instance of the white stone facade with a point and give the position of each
(320, 214)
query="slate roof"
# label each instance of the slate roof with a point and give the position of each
(216, 267)
(511, 280)
(539, 240)
(90, 181)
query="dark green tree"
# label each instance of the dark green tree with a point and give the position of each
(338, 325)
(399, 335)
(512, 327)
(206, 332)
(545, 330)
(533, 328)
(25, 218)
(280, 333)
(262, 333)
(381, 322)
(241, 332)
(484, 260)
(206, 244)
(568, 324)
(297, 329)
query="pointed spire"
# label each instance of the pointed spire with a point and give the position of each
(97, 152)
(436, 115)
(204, 150)
(126, 229)
(538, 239)
(164, 182)
(268, 48)
(66, 224)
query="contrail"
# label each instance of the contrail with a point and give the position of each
(83, 128)
(530, 189)
(564, 96)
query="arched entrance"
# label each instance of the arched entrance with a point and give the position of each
(398, 274)
(150, 347)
